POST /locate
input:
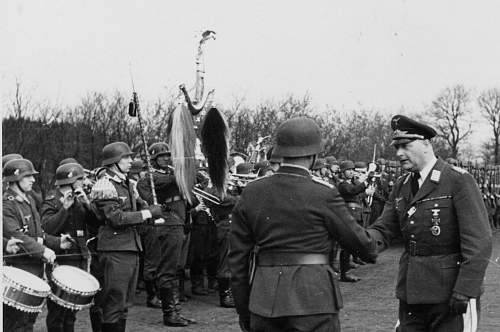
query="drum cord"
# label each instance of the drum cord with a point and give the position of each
(40, 252)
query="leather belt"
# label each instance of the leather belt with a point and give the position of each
(414, 249)
(173, 199)
(284, 258)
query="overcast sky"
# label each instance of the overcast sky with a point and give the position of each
(380, 54)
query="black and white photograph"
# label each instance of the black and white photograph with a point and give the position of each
(254, 166)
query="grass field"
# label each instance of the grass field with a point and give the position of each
(369, 305)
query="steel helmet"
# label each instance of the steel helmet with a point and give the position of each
(15, 169)
(68, 161)
(346, 164)
(298, 137)
(114, 152)
(9, 157)
(69, 173)
(158, 149)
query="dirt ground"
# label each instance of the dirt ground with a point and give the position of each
(369, 305)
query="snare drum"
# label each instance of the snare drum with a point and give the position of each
(72, 287)
(23, 290)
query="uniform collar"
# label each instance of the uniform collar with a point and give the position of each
(19, 196)
(293, 169)
(117, 177)
(427, 169)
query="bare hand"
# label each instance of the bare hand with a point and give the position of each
(81, 197)
(49, 255)
(363, 177)
(68, 200)
(12, 247)
(66, 242)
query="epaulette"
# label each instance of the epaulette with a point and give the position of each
(161, 171)
(459, 170)
(103, 189)
(320, 181)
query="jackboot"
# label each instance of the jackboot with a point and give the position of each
(168, 306)
(123, 324)
(152, 301)
(212, 284)
(95, 319)
(111, 327)
(225, 294)
(181, 286)
(197, 285)
(178, 307)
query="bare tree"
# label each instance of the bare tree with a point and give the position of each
(450, 112)
(489, 101)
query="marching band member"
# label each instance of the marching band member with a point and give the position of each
(22, 221)
(118, 243)
(170, 234)
(68, 211)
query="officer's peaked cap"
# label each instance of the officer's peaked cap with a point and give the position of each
(407, 130)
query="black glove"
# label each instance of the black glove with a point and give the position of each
(458, 303)
(245, 324)
(156, 211)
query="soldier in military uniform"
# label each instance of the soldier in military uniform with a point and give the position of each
(351, 188)
(170, 235)
(118, 243)
(22, 221)
(381, 186)
(68, 211)
(289, 220)
(150, 257)
(437, 210)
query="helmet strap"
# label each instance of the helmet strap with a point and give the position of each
(313, 161)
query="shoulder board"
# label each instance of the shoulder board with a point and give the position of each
(161, 171)
(259, 178)
(320, 181)
(459, 170)
(50, 197)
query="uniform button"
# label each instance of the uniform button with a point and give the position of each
(412, 222)
(412, 236)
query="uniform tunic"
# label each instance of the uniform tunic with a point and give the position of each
(118, 243)
(289, 212)
(434, 265)
(22, 221)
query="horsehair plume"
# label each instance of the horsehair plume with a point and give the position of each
(215, 145)
(182, 144)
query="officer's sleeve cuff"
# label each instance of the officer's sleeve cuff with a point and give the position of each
(146, 214)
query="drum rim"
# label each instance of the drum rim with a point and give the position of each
(21, 306)
(74, 291)
(20, 287)
(70, 305)
(26, 289)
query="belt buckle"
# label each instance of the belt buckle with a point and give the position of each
(413, 248)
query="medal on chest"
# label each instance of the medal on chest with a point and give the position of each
(435, 219)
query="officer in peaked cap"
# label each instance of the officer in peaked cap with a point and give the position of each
(291, 283)
(438, 211)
